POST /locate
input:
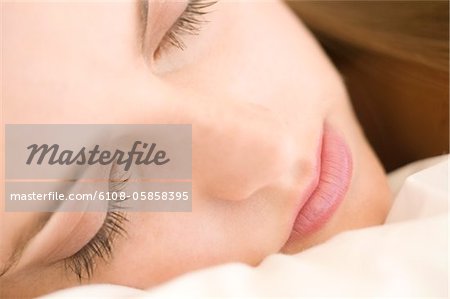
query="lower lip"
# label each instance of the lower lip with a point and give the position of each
(335, 172)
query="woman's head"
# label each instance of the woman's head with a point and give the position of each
(271, 124)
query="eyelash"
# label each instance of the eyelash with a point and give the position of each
(189, 23)
(101, 245)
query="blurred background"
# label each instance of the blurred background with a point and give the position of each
(393, 56)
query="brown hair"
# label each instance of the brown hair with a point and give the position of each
(393, 56)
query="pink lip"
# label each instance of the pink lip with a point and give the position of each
(335, 172)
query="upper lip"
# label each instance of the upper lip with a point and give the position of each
(308, 189)
(313, 184)
(330, 184)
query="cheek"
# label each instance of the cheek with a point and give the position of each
(161, 246)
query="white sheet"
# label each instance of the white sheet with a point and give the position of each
(405, 257)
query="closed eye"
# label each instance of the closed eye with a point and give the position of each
(190, 22)
(83, 262)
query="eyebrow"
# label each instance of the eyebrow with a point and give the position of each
(37, 226)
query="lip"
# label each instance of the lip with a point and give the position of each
(333, 179)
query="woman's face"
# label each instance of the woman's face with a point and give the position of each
(279, 161)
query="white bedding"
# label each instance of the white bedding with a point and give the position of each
(408, 256)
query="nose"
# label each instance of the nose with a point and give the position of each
(238, 148)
